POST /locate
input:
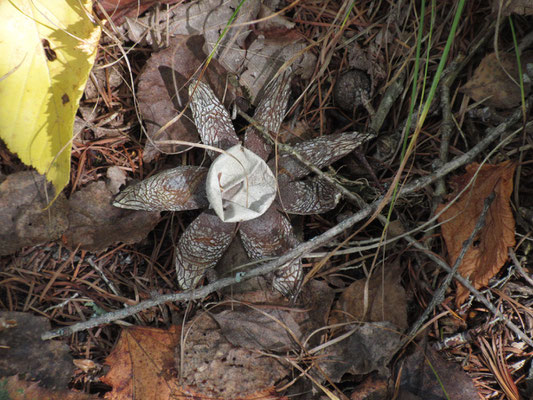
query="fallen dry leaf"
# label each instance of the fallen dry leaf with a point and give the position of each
(252, 56)
(425, 373)
(370, 59)
(94, 224)
(488, 253)
(267, 330)
(22, 352)
(13, 388)
(118, 9)
(104, 78)
(369, 348)
(145, 362)
(372, 388)
(266, 54)
(24, 219)
(116, 178)
(490, 80)
(143, 366)
(386, 300)
(521, 7)
(6, 323)
(216, 368)
(87, 219)
(163, 91)
(304, 318)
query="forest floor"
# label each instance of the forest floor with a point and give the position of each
(444, 186)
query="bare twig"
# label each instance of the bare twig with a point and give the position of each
(446, 127)
(519, 268)
(438, 297)
(389, 98)
(478, 295)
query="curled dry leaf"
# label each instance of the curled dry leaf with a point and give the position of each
(386, 300)
(491, 82)
(94, 224)
(489, 251)
(24, 353)
(24, 219)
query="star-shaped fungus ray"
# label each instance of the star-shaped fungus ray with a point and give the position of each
(176, 189)
(211, 118)
(269, 114)
(268, 235)
(307, 197)
(320, 152)
(272, 235)
(201, 247)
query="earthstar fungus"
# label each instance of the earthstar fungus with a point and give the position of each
(242, 187)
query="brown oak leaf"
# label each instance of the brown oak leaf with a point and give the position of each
(488, 252)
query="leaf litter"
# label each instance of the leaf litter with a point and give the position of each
(87, 220)
(368, 347)
(24, 353)
(387, 300)
(146, 364)
(426, 375)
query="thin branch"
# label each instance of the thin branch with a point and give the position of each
(389, 98)
(438, 296)
(477, 294)
(519, 268)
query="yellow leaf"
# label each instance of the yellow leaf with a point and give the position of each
(48, 48)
